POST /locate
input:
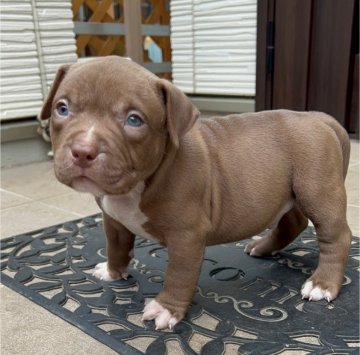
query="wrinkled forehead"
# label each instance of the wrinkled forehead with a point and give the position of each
(111, 86)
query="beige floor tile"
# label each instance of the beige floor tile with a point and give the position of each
(352, 187)
(355, 151)
(352, 184)
(31, 216)
(27, 328)
(353, 217)
(74, 202)
(10, 199)
(354, 165)
(36, 181)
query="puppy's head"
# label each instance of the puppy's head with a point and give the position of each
(112, 123)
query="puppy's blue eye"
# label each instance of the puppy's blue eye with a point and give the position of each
(134, 121)
(62, 109)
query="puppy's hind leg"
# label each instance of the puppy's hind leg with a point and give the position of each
(318, 184)
(321, 195)
(288, 228)
(334, 237)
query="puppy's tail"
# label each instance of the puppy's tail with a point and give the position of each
(343, 138)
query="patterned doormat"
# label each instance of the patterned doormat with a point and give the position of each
(243, 305)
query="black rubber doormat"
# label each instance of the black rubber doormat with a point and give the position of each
(243, 305)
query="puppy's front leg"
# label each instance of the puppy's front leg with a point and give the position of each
(181, 278)
(119, 250)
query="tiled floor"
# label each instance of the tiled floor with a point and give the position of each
(31, 198)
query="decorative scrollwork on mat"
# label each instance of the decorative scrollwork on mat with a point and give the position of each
(243, 305)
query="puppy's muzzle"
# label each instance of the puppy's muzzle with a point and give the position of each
(84, 154)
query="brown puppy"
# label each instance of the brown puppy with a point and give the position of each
(134, 142)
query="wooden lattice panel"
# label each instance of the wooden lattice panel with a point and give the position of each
(103, 11)
(160, 14)
(98, 11)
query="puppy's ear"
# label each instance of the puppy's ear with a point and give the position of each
(46, 109)
(181, 114)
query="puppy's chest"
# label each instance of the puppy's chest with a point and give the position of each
(125, 209)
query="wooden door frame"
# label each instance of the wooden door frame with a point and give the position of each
(326, 87)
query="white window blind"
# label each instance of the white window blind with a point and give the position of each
(214, 46)
(36, 37)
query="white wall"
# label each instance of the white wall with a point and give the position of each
(214, 46)
(36, 37)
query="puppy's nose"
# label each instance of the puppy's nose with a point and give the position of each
(84, 154)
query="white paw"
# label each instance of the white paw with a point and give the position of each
(163, 318)
(315, 293)
(102, 273)
(253, 252)
(250, 250)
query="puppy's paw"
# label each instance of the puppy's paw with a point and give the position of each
(102, 272)
(260, 247)
(251, 250)
(163, 318)
(316, 293)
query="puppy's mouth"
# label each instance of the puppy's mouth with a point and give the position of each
(97, 179)
(112, 186)
(83, 183)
